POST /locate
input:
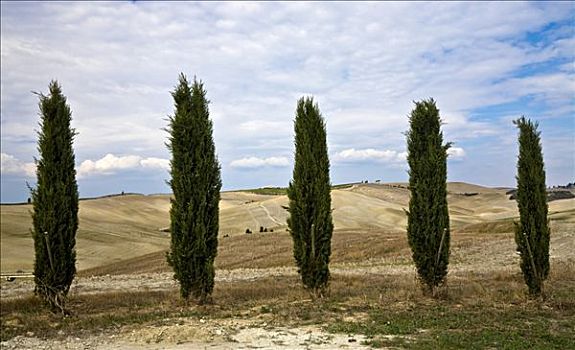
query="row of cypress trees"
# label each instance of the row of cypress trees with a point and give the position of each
(196, 183)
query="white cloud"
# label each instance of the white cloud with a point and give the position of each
(456, 153)
(111, 164)
(369, 154)
(385, 156)
(155, 163)
(13, 166)
(255, 162)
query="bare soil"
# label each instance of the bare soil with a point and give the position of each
(200, 334)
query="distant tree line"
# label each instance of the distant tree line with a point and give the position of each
(196, 184)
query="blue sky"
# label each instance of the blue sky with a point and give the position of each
(485, 63)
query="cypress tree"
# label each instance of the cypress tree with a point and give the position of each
(310, 221)
(195, 182)
(428, 217)
(532, 232)
(55, 202)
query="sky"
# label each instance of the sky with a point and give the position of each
(485, 63)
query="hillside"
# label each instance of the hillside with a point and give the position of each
(118, 228)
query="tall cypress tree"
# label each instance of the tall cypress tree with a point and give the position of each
(195, 182)
(428, 217)
(532, 232)
(55, 202)
(310, 220)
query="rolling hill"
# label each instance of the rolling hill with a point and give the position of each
(118, 228)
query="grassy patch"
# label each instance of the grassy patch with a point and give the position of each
(498, 315)
(341, 186)
(268, 191)
(89, 313)
(282, 191)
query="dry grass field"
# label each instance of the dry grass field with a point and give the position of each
(124, 296)
(118, 228)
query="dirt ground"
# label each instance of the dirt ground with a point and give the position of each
(201, 334)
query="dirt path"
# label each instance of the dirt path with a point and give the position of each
(201, 334)
(279, 223)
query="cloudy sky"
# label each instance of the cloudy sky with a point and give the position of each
(365, 63)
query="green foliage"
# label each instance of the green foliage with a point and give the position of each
(532, 232)
(428, 217)
(310, 222)
(196, 183)
(55, 202)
